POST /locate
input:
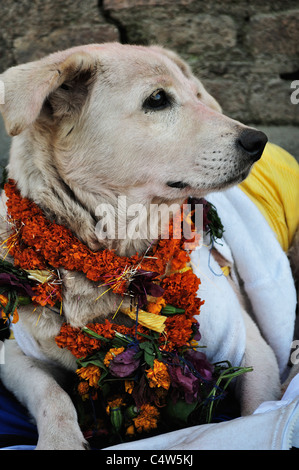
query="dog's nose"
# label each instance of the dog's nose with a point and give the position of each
(253, 142)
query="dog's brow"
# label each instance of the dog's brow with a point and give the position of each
(162, 81)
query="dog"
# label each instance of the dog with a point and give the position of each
(90, 124)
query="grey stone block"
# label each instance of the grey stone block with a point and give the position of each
(286, 137)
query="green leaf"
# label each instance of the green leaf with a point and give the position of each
(7, 267)
(94, 334)
(118, 342)
(149, 352)
(215, 227)
(96, 360)
(180, 411)
(171, 310)
(104, 386)
(24, 300)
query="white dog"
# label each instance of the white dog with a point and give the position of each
(93, 123)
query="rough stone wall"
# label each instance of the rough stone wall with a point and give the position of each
(31, 29)
(245, 51)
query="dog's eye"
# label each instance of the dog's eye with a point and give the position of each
(157, 100)
(64, 86)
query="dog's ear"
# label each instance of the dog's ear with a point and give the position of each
(59, 80)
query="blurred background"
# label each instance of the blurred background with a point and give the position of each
(245, 52)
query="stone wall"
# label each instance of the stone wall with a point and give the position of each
(246, 52)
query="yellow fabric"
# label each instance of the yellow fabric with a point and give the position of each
(225, 270)
(273, 185)
(147, 319)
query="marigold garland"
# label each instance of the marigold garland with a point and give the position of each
(144, 378)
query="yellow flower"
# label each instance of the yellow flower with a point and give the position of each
(158, 376)
(113, 352)
(115, 403)
(147, 418)
(91, 374)
(193, 344)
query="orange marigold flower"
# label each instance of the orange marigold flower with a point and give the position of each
(158, 376)
(113, 352)
(91, 374)
(180, 290)
(104, 329)
(178, 331)
(46, 294)
(179, 260)
(83, 389)
(130, 431)
(156, 306)
(147, 419)
(79, 343)
(114, 403)
(39, 241)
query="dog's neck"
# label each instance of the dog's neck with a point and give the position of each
(127, 221)
(127, 224)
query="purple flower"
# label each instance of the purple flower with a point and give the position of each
(195, 328)
(13, 283)
(124, 364)
(143, 285)
(187, 377)
(184, 382)
(199, 361)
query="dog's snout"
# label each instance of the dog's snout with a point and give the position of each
(253, 142)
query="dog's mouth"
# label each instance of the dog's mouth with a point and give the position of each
(213, 186)
(177, 184)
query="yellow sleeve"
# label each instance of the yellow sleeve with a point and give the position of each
(273, 185)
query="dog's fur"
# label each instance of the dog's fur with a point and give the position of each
(83, 137)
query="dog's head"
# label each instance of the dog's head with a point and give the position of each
(130, 118)
(99, 121)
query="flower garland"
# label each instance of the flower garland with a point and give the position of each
(130, 380)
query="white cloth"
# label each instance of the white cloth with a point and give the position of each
(263, 267)
(222, 328)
